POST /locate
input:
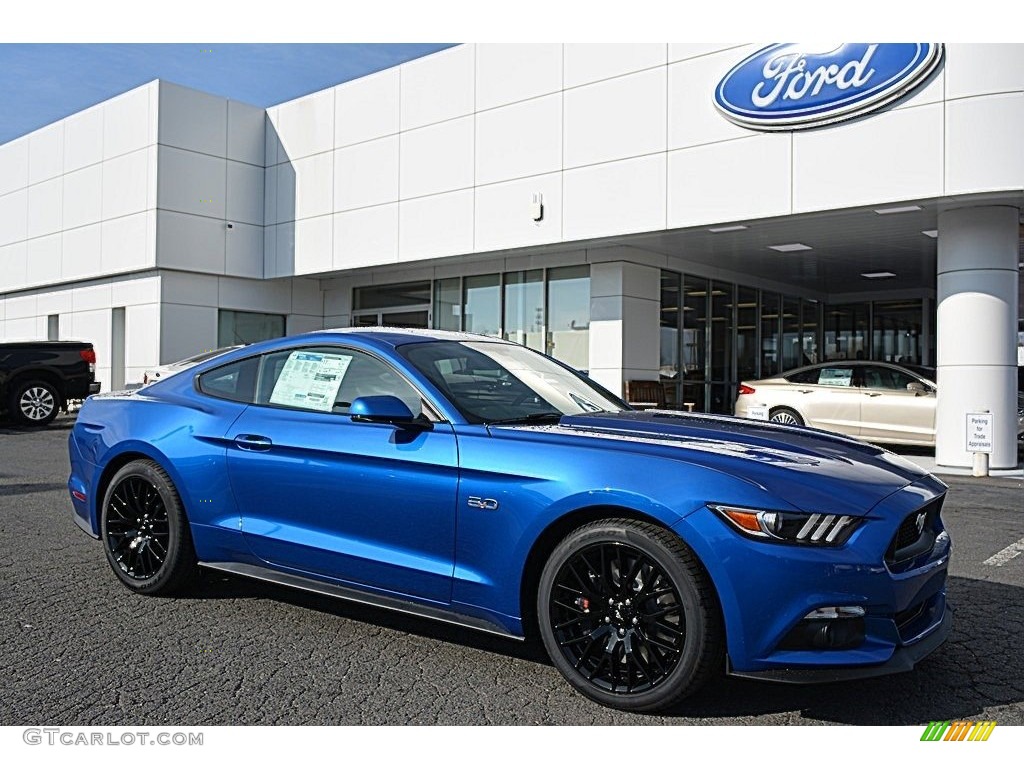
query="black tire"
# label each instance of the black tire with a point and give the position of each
(643, 653)
(786, 416)
(145, 532)
(34, 403)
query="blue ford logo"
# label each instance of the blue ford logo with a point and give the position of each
(787, 86)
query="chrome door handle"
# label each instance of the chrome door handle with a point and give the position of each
(805, 391)
(873, 394)
(253, 442)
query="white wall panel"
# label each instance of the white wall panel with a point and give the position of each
(91, 297)
(186, 330)
(729, 181)
(269, 251)
(439, 225)
(508, 72)
(20, 307)
(303, 323)
(870, 161)
(125, 184)
(523, 139)
(612, 198)
(46, 153)
(53, 302)
(679, 51)
(589, 62)
(83, 197)
(83, 139)
(366, 174)
(14, 266)
(44, 207)
(307, 298)
(13, 216)
(366, 108)
(984, 150)
(437, 87)
(366, 236)
(313, 245)
(284, 250)
(139, 290)
(189, 288)
(245, 133)
(272, 141)
(437, 158)
(314, 185)
(126, 123)
(244, 251)
(141, 339)
(185, 241)
(270, 195)
(44, 259)
(80, 253)
(503, 218)
(244, 194)
(191, 182)
(974, 69)
(692, 116)
(14, 165)
(306, 125)
(123, 244)
(284, 192)
(614, 119)
(259, 296)
(192, 120)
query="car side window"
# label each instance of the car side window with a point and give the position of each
(835, 376)
(876, 377)
(234, 381)
(329, 379)
(804, 377)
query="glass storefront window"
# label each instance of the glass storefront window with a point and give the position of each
(771, 361)
(524, 308)
(846, 332)
(694, 347)
(896, 331)
(809, 326)
(792, 348)
(671, 287)
(448, 304)
(482, 304)
(395, 295)
(746, 334)
(569, 316)
(247, 327)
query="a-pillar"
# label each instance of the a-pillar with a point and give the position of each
(977, 325)
(624, 323)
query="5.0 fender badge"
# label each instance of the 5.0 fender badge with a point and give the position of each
(481, 503)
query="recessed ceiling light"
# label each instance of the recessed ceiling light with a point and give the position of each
(877, 275)
(733, 228)
(790, 247)
(897, 209)
(932, 233)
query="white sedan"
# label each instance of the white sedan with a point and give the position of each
(163, 371)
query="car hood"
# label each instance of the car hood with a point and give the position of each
(810, 469)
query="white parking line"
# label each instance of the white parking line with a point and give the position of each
(1003, 556)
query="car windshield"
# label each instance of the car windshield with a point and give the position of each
(490, 382)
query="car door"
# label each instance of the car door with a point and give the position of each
(828, 398)
(365, 503)
(890, 411)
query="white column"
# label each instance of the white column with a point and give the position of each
(976, 333)
(624, 323)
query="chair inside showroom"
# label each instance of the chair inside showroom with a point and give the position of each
(644, 394)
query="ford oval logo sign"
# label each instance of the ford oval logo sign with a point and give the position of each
(788, 86)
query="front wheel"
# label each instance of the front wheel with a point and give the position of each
(629, 616)
(145, 532)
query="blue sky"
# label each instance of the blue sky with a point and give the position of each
(41, 83)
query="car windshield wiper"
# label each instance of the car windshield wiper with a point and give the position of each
(530, 418)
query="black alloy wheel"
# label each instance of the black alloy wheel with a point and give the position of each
(145, 532)
(629, 616)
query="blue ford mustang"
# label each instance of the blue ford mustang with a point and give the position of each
(475, 481)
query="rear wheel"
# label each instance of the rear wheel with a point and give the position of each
(145, 532)
(786, 416)
(34, 403)
(629, 616)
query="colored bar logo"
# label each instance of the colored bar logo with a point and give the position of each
(958, 730)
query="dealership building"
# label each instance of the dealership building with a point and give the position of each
(696, 215)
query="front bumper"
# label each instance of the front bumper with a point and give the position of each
(766, 589)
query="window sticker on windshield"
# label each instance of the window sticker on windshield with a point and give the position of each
(311, 380)
(835, 377)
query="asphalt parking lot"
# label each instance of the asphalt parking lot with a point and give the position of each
(76, 648)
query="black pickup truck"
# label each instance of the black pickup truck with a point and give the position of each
(37, 378)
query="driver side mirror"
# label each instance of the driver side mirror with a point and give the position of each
(917, 388)
(384, 409)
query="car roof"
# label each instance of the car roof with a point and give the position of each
(917, 370)
(396, 336)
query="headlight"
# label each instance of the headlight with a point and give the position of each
(813, 529)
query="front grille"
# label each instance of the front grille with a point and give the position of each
(916, 534)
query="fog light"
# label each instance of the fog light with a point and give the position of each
(836, 612)
(833, 628)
